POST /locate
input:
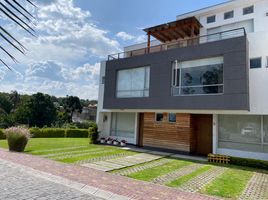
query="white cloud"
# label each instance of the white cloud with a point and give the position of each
(58, 61)
(128, 37)
(124, 36)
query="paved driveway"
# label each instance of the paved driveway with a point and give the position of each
(17, 183)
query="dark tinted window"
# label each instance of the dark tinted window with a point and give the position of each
(255, 63)
(159, 117)
(248, 10)
(172, 117)
(229, 15)
(211, 19)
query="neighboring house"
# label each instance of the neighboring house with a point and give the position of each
(88, 114)
(202, 90)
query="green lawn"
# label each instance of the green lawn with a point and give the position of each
(149, 174)
(68, 150)
(230, 184)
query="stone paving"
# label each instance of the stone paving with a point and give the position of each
(166, 178)
(197, 183)
(17, 183)
(81, 154)
(257, 188)
(134, 169)
(103, 158)
(128, 161)
(60, 149)
(51, 155)
(94, 181)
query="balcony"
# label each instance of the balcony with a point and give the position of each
(180, 43)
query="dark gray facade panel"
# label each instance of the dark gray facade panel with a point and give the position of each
(236, 80)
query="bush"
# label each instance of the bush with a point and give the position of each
(17, 138)
(93, 134)
(48, 133)
(77, 133)
(2, 135)
(261, 164)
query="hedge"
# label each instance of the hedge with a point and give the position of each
(47, 133)
(2, 135)
(260, 164)
(77, 133)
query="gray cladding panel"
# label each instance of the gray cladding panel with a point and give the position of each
(236, 88)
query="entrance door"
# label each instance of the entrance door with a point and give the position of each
(203, 133)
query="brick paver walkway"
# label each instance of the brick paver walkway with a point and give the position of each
(103, 181)
(128, 161)
(134, 169)
(166, 178)
(197, 183)
(257, 188)
(20, 184)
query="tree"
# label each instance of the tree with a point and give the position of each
(5, 104)
(17, 13)
(14, 98)
(72, 104)
(41, 110)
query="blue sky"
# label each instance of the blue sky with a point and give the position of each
(74, 35)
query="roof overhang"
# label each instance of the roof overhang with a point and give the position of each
(179, 29)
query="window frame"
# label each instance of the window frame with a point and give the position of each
(146, 67)
(248, 7)
(156, 117)
(213, 17)
(266, 62)
(173, 122)
(255, 58)
(225, 15)
(180, 87)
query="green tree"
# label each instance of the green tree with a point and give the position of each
(14, 98)
(5, 104)
(39, 111)
(72, 104)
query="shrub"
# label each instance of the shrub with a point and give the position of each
(2, 135)
(17, 138)
(93, 134)
(261, 164)
(35, 131)
(77, 133)
(48, 133)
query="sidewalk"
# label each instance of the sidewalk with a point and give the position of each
(109, 186)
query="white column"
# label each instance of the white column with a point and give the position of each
(215, 133)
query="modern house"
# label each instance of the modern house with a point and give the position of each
(201, 87)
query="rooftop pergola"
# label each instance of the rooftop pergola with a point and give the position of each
(179, 29)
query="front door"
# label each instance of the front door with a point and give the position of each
(203, 133)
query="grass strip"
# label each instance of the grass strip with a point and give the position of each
(151, 173)
(184, 179)
(230, 184)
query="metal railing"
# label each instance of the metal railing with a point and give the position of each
(239, 32)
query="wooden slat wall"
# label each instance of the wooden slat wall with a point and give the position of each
(177, 136)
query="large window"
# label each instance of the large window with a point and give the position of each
(197, 77)
(123, 125)
(243, 132)
(133, 82)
